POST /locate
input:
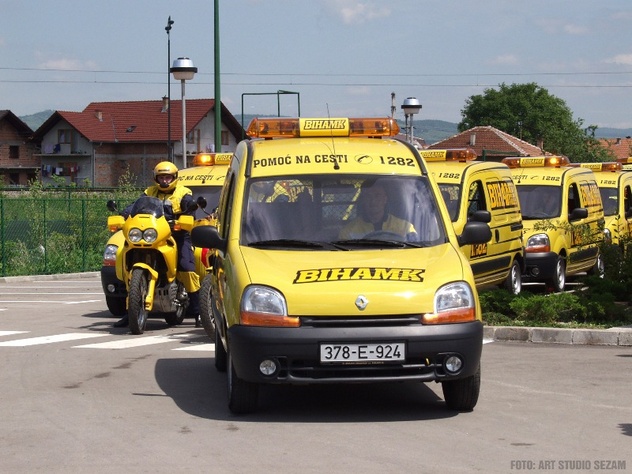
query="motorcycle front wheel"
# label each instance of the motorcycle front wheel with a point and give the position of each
(137, 293)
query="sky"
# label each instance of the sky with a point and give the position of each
(337, 58)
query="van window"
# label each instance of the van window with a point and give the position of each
(476, 198)
(573, 198)
(332, 209)
(540, 202)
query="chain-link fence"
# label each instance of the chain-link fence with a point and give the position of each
(46, 235)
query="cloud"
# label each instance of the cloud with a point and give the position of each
(552, 26)
(622, 59)
(357, 11)
(504, 59)
(67, 64)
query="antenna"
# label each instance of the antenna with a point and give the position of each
(333, 142)
(393, 107)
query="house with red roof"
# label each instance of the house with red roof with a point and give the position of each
(620, 147)
(18, 165)
(490, 144)
(98, 145)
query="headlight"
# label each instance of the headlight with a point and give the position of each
(109, 255)
(538, 243)
(453, 303)
(150, 235)
(264, 306)
(607, 235)
(135, 235)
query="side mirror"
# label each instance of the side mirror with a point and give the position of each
(207, 236)
(481, 216)
(111, 205)
(192, 206)
(201, 202)
(475, 232)
(578, 213)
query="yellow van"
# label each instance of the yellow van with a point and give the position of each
(615, 186)
(563, 218)
(205, 179)
(335, 262)
(470, 187)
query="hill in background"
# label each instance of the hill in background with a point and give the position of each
(431, 131)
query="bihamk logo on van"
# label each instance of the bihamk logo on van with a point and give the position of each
(360, 273)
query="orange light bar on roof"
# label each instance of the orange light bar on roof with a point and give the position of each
(455, 154)
(607, 166)
(210, 159)
(322, 127)
(536, 161)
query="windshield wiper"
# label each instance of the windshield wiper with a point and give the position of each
(376, 243)
(287, 243)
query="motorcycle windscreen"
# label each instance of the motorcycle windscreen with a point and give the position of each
(148, 205)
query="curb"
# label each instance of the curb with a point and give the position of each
(595, 337)
(59, 276)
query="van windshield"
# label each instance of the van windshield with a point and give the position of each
(610, 199)
(540, 202)
(342, 212)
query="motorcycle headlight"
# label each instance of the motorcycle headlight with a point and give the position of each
(150, 235)
(453, 303)
(135, 235)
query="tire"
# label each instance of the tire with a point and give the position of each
(220, 354)
(137, 294)
(559, 279)
(599, 268)
(513, 283)
(242, 395)
(175, 319)
(462, 394)
(116, 305)
(206, 308)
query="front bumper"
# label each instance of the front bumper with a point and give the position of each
(112, 286)
(296, 351)
(540, 266)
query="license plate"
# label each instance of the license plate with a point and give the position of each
(358, 353)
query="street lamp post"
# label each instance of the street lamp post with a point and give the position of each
(183, 70)
(169, 147)
(411, 106)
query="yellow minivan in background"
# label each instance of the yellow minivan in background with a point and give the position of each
(563, 218)
(470, 187)
(615, 186)
(334, 261)
(205, 179)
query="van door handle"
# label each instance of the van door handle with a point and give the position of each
(497, 232)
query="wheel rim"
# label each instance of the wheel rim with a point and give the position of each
(560, 275)
(516, 280)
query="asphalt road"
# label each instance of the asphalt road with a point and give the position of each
(78, 395)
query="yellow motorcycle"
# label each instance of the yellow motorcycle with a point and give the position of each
(148, 260)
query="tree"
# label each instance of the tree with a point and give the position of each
(529, 112)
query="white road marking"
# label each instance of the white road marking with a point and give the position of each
(11, 333)
(204, 347)
(33, 341)
(131, 341)
(49, 301)
(487, 341)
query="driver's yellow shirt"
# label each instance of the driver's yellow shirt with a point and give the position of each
(359, 228)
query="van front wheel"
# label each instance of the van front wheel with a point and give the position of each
(513, 283)
(242, 395)
(462, 394)
(559, 278)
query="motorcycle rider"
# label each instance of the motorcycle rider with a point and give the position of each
(176, 199)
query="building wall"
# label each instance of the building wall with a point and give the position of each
(20, 170)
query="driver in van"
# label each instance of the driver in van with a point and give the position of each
(373, 215)
(176, 199)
